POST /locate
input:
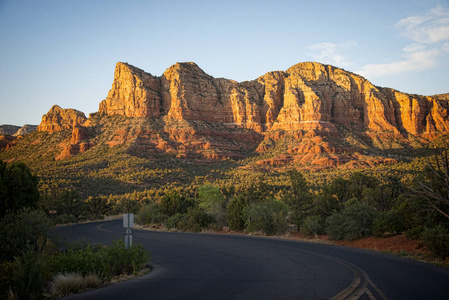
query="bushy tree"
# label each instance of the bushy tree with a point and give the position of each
(379, 197)
(235, 213)
(433, 184)
(355, 221)
(213, 202)
(173, 203)
(20, 231)
(151, 214)
(388, 223)
(18, 187)
(98, 206)
(68, 205)
(173, 221)
(436, 239)
(313, 225)
(298, 198)
(358, 182)
(414, 211)
(270, 217)
(332, 197)
(195, 219)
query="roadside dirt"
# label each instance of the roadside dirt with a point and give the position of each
(393, 244)
(397, 245)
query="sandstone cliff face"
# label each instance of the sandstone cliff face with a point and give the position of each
(58, 119)
(134, 93)
(308, 96)
(304, 112)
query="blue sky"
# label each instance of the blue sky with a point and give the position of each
(64, 52)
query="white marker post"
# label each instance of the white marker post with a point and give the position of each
(128, 223)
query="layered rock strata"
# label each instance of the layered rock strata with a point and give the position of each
(308, 96)
(58, 119)
(304, 112)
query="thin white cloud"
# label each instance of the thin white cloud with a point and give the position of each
(430, 27)
(428, 32)
(328, 52)
(415, 59)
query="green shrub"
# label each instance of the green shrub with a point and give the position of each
(65, 219)
(18, 187)
(139, 257)
(437, 241)
(27, 280)
(415, 232)
(82, 261)
(173, 221)
(353, 222)
(68, 204)
(20, 230)
(213, 202)
(235, 213)
(195, 220)
(298, 198)
(151, 214)
(269, 217)
(312, 225)
(172, 203)
(124, 261)
(106, 261)
(388, 223)
(98, 206)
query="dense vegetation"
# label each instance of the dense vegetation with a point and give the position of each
(31, 266)
(410, 197)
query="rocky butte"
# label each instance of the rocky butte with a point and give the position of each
(321, 109)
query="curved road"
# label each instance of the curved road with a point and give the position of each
(213, 266)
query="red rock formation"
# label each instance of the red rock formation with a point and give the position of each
(6, 141)
(134, 93)
(306, 110)
(78, 143)
(78, 134)
(308, 96)
(59, 119)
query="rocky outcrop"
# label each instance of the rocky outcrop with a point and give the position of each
(58, 119)
(318, 97)
(26, 129)
(307, 96)
(134, 93)
(78, 143)
(6, 141)
(441, 96)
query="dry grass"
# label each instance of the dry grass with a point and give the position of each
(64, 284)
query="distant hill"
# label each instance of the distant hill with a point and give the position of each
(9, 129)
(26, 129)
(17, 130)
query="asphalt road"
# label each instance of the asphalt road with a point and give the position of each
(214, 266)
